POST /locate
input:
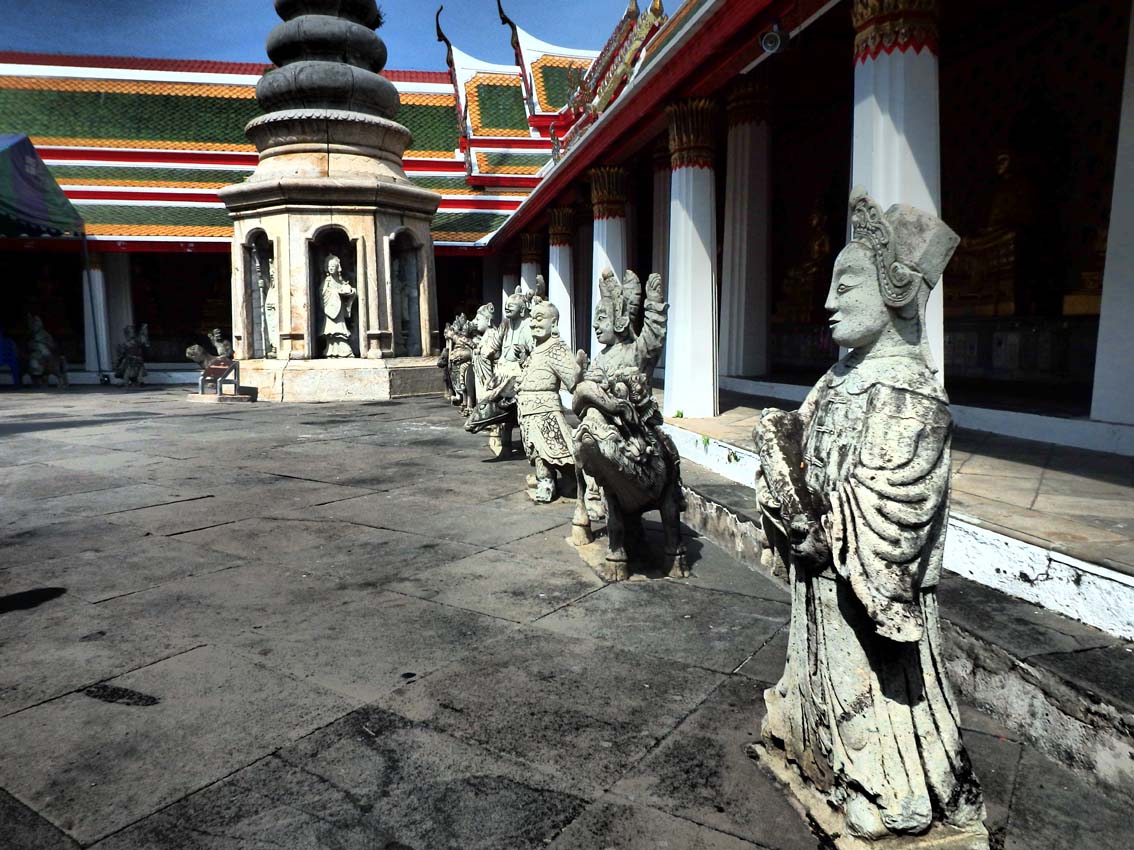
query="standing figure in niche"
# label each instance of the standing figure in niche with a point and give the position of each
(270, 299)
(854, 496)
(130, 364)
(338, 304)
(547, 438)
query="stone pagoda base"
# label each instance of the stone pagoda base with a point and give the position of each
(345, 379)
(829, 824)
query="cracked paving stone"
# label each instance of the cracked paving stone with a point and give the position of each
(611, 824)
(580, 708)
(671, 619)
(370, 780)
(92, 767)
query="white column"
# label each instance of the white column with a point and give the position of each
(608, 198)
(510, 279)
(119, 297)
(561, 272)
(896, 153)
(746, 257)
(584, 251)
(531, 260)
(691, 340)
(96, 319)
(659, 243)
(1112, 400)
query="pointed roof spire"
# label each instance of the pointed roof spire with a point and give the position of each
(444, 38)
(508, 22)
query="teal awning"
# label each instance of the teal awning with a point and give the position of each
(31, 202)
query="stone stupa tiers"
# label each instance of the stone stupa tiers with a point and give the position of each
(333, 282)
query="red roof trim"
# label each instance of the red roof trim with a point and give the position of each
(189, 66)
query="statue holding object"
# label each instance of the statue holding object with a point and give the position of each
(130, 362)
(854, 493)
(548, 441)
(338, 296)
(619, 442)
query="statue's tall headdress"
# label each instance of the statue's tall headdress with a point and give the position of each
(632, 293)
(910, 247)
(614, 292)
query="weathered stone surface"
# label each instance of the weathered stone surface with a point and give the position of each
(532, 694)
(701, 773)
(93, 766)
(368, 647)
(489, 582)
(26, 830)
(1052, 809)
(613, 824)
(75, 644)
(703, 628)
(370, 780)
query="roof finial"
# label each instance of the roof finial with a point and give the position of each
(444, 38)
(632, 10)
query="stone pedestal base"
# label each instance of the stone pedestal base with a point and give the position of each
(342, 379)
(213, 398)
(829, 825)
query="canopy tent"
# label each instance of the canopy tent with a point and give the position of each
(31, 202)
(33, 206)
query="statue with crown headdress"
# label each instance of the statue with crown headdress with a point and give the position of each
(854, 494)
(619, 442)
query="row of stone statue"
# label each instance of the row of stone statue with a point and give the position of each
(618, 463)
(45, 359)
(862, 727)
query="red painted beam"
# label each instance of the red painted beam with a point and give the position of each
(713, 35)
(512, 143)
(504, 181)
(230, 158)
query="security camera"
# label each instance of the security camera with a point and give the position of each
(774, 40)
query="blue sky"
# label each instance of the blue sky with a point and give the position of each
(234, 30)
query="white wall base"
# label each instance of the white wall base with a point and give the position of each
(1090, 593)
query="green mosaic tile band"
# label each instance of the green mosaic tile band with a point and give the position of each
(505, 160)
(63, 173)
(434, 128)
(502, 108)
(556, 83)
(154, 215)
(471, 222)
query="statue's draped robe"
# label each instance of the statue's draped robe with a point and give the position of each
(497, 359)
(338, 301)
(863, 707)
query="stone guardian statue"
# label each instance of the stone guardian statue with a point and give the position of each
(620, 443)
(338, 296)
(854, 494)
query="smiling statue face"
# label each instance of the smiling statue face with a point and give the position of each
(858, 313)
(604, 324)
(513, 307)
(333, 265)
(543, 321)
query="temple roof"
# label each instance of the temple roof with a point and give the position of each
(142, 145)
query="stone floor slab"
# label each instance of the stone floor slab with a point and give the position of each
(701, 773)
(53, 644)
(611, 824)
(370, 781)
(366, 648)
(579, 708)
(23, 829)
(96, 761)
(670, 619)
(501, 584)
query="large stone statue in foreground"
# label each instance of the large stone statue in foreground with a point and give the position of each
(854, 492)
(619, 442)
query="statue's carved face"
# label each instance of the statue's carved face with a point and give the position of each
(514, 307)
(858, 313)
(333, 265)
(604, 323)
(544, 321)
(483, 320)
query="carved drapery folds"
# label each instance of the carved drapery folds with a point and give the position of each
(883, 26)
(608, 191)
(561, 227)
(747, 102)
(692, 124)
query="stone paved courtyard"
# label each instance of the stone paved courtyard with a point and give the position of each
(345, 626)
